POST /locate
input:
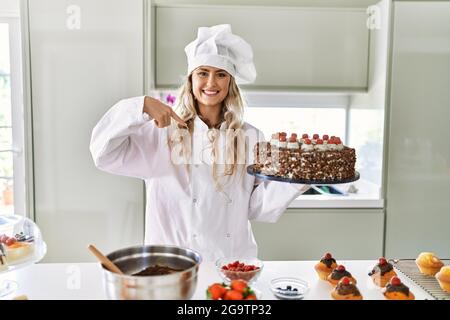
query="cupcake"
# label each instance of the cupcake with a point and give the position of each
(338, 273)
(428, 263)
(382, 272)
(443, 277)
(325, 266)
(396, 290)
(346, 290)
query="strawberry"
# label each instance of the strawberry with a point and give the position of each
(307, 141)
(251, 297)
(382, 261)
(340, 268)
(315, 136)
(345, 281)
(319, 141)
(327, 255)
(282, 138)
(283, 134)
(304, 136)
(216, 291)
(395, 281)
(233, 295)
(293, 139)
(10, 241)
(294, 135)
(325, 137)
(239, 285)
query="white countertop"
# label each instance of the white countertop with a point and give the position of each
(55, 281)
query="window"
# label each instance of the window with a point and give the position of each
(322, 121)
(12, 182)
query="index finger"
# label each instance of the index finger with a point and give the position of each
(178, 119)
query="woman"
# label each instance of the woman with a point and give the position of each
(193, 163)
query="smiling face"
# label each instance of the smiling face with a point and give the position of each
(210, 86)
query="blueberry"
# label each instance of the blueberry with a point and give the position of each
(295, 289)
(289, 288)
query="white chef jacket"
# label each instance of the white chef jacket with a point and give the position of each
(183, 208)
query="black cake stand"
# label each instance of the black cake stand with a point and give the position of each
(253, 172)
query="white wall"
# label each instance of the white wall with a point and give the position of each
(9, 8)
(366, 113)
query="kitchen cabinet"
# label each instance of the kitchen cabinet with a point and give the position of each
(84, 56)
(418, 164)
(294, 47)
(306, 234)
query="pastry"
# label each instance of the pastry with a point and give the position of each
(346, 290)
(17, 249)
(338, 273)
(325, 266)
(396, 290)
(428, 263)
(443, 277)
(382, 272)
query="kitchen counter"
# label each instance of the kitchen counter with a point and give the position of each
(84, 280)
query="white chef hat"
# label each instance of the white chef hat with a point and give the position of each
(218, 47)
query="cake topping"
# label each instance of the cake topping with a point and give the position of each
(315, 136)
(395, 281)
(282, 138)
(325, 137)
(283, 134)
(293, 139)
(307, 141)
(345, 287)
(396, 285)
(328, 259)
(382, 267)
(305, 135)
(294, 135)
(339, 273)
(345, 281)
(319, 141)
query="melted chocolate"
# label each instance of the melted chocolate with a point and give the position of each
(347, 289)
(328, 262)
(338, 275)
(156, 270)
(382, 269)
(400, 288)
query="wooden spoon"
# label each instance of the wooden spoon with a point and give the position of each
(104, 260)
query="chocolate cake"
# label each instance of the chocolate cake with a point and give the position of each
(325, 159)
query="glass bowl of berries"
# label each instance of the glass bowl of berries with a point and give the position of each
(234, 268)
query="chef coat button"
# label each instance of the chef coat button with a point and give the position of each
(194, 236)
(228, 235)
(194, 200)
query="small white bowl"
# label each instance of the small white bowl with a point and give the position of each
(289, 288)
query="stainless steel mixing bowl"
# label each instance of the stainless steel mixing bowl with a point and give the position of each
(176, 286)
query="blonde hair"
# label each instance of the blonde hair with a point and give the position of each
(232, 113)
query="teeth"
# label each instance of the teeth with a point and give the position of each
(210, 92)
